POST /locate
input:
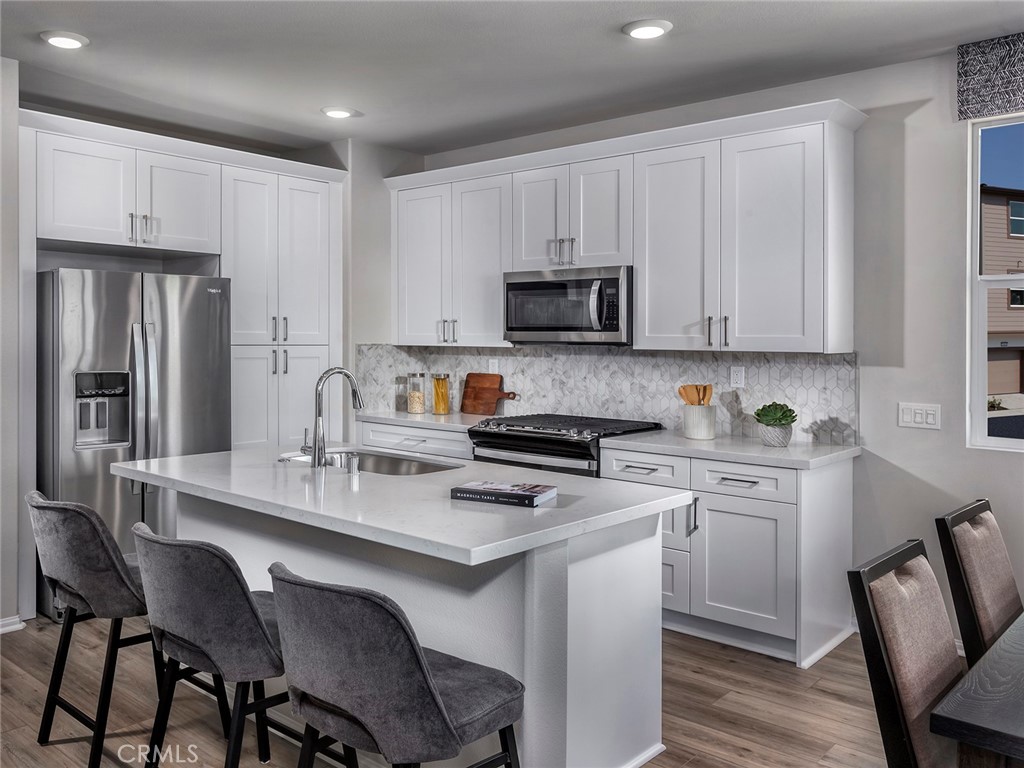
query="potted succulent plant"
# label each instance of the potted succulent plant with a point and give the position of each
(775, 423)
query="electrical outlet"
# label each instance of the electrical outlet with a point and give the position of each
(920, 416)
(737, 377)
(492, 365)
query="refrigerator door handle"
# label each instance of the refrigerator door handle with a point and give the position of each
(139, 393)
(152, 394)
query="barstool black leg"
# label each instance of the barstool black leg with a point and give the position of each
(106, 689)
(507, 736)
(60, 661)
(234, 754)
(163, 711)
(222, 704)
(308, 753)
(262, 732)
(158, 665)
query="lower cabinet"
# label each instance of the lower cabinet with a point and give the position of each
(272, 394)
(743, 563)
(675, 580)
(415, 439)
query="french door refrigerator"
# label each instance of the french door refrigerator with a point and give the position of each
(131, 366)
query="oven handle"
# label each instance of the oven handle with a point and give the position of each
(595, 293)
(534, 458)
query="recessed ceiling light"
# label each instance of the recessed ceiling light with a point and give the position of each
(647, 29)
(66, 40)
(336, 112)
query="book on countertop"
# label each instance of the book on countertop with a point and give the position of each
(518, 494)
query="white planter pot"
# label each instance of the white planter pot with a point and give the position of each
(775, 436)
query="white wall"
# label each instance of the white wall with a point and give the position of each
(911, 297)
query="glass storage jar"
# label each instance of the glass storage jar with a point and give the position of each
(417, 395)
(442, 394)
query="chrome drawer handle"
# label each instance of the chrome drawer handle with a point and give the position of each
(738, 482)
(639, 470)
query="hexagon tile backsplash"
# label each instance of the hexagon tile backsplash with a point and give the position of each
(633, 384)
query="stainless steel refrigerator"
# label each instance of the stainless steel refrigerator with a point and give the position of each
(131, 366)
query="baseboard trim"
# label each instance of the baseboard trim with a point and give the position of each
(825, 649)
(11, 624)
(645, 757)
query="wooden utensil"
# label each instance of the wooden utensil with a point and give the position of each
(689, 394)
(482, 394)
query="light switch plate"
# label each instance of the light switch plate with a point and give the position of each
(920, 416)
(737, 377)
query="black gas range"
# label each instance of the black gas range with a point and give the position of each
(569, 444)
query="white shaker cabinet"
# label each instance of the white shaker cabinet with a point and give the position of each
(773, 241)
(94, 192)
(272, 394)
(676, 247)
(453, 243)
(277, 254)
(576, 215)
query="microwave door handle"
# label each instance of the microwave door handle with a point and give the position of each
(595, 294)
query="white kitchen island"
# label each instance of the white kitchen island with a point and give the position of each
(566, 596)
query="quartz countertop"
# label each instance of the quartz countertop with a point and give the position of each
(456, 422)
(744, 450)
(412, 512)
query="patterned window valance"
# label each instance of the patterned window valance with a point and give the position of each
(990, 77)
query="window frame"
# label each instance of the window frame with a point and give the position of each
(978, 285)
(1010, 218)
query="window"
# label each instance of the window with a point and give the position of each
(1016, 218)
(996, 376)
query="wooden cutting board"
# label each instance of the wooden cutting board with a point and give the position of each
(482, 394)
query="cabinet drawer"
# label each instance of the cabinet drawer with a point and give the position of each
(749, 480)
(674, 525)
(636, 467)
(439, 442)
(675, 580)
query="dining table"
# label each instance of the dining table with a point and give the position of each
(985, 708)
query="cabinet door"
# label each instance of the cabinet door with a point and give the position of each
(304, 261)
(540, 218)
(300, 369)
(773, 286)
(424, 242)
(675, 525)
(676, 247)
(601, 213)
(743, 563)
(481, 253)
(179, 200)
(249, 256)
(254, 391)
(675, 580)
(86, 190)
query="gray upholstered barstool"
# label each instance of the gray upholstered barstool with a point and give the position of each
(357, 673)
(203, 616)
(87, 572)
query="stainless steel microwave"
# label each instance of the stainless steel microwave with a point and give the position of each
(569, 306)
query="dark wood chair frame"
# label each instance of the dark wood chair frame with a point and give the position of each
(966, 612)
(892, 723)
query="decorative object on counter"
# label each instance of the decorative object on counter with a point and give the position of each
(775, 423)
(696, 394)
(516, 494)
(482, 394)
(699, 422)
(442, 395)
(417, 397)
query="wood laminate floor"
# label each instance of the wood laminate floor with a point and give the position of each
(723, 707)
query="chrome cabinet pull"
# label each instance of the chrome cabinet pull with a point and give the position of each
(639, 470)
(455, 331)
(444, 331)
(709, 331)
(285, 362)
(561, 242)
(725, 335)
(284, 323)
(738, 482)
(572, 250)
(145, 227)
(273, 371)
(273, 333)
(131, 227)
(691, 512)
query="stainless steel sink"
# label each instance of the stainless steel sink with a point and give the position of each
(375, 463)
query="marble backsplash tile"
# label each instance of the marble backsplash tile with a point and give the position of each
(634, 384)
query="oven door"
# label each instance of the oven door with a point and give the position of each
(568, 306)
(563, 464)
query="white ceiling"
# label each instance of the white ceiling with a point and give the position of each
(430, 76)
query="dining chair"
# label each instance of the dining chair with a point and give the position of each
(911, 658)
(985, 595)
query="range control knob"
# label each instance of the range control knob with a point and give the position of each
(502, 427)
(573, 432)
(587, 434)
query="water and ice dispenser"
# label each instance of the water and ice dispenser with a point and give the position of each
(102, 409)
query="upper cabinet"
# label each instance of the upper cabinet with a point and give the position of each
(96, 192)
(276, 252)
(576, 215)
(454, 242)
